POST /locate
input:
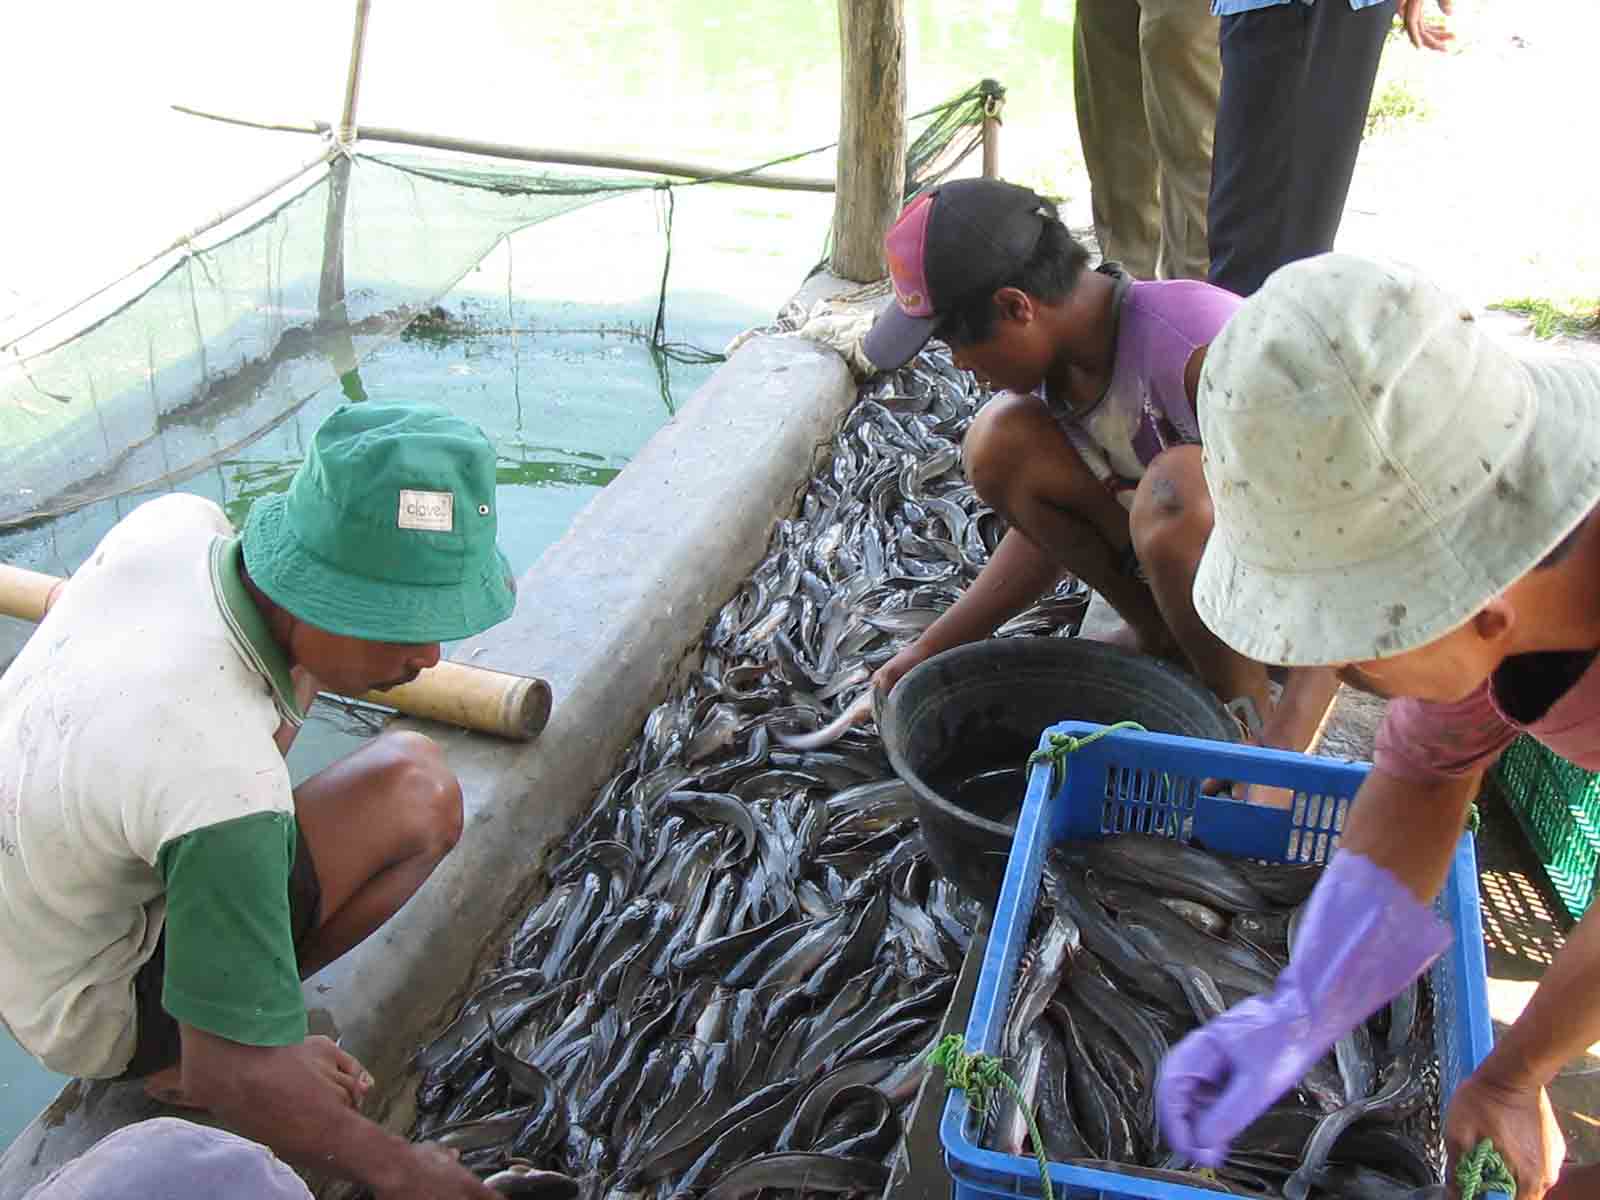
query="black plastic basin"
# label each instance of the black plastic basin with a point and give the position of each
(959, 727)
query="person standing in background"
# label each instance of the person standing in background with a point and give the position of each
(1297, 80)
(1146, 77)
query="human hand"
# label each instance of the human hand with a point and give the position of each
(1431, 35)
(433, 1172)
(886, 676)
(1518, 1120)
(1363, 936)
(1225, 1074)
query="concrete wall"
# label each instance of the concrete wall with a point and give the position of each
(608, 615)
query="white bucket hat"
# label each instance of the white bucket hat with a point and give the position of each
(167, 1157)
(1379, 466)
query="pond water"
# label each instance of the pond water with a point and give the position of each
(566, 404)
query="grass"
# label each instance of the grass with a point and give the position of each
(1580, 317)
(1394, 99)
(1392, 104)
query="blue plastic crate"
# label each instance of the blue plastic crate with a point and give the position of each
(1128, 782)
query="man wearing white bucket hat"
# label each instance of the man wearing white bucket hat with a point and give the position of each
(1398, 496)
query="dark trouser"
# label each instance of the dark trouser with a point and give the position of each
(1296, 83)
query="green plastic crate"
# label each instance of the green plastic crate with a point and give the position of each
(1558, 806)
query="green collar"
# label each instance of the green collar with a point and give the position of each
(249, 631)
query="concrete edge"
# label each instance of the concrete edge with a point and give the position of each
(608, 615)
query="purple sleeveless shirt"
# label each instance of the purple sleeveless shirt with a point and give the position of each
(1145, 408)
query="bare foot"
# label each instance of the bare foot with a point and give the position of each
(1295, 719)
(1250, 793)
(166, 1087)
(1266, 797)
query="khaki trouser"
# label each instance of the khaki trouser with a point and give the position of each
(1147, 75)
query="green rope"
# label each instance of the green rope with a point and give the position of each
(1474, 819)
(1063, 744)
(979, 1075)
(1484, 1171)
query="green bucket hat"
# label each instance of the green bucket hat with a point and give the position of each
(387, 530)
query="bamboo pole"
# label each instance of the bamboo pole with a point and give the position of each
(330, 288)
(403, 137)
(872, 135)
(514, 706)
(991, 136)
(317, 127)
(352, 83)
(226, 214)
(538, 154)
(508, 706)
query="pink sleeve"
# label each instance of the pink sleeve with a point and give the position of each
(1424, 741)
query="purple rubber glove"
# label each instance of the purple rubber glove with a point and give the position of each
(1362, 938)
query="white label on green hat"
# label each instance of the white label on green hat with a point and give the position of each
(427, 510)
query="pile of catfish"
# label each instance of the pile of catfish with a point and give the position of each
(1138, 939)
(744, 956)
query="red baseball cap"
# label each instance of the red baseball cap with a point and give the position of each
(954, 240)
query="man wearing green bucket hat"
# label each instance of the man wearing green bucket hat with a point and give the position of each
(1401, 498)
(163, 890)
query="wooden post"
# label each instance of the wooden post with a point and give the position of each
(872, 135)
(330, 291)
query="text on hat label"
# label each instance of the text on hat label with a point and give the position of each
(427, 510)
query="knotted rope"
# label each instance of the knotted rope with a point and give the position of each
(979, 1075)
(1063, 744)
(1483, 1171)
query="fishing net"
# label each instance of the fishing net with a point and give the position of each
(178, 367)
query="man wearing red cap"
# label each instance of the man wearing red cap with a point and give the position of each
(1081, 449)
